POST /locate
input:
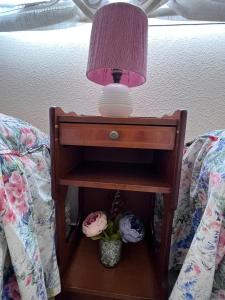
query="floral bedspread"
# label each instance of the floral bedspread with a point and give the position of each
(28, 267)
(198, 239)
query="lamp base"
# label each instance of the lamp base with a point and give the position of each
(115, 101)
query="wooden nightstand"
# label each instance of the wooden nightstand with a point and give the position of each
(139, 157)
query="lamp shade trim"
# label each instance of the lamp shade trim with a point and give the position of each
(129, 78)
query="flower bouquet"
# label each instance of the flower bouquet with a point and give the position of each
(97, 227)
(112, 230)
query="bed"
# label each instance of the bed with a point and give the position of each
(198, 238)
(28, 266)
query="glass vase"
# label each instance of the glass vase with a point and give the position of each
(110, 252)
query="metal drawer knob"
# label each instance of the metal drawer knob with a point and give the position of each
(114, 135)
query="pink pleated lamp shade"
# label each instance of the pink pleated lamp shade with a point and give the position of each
(118, 41)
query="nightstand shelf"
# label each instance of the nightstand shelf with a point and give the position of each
(120, 176)
(97, 156)
(134, 278)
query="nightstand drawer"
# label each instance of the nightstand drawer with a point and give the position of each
(124, 136)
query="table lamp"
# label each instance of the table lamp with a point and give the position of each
(118, 55)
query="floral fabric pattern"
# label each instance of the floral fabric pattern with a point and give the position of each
(28, 266)
(198, 238)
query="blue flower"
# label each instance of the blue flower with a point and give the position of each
(188, 285)
(131, 228)
(188, 296)
(188, 269)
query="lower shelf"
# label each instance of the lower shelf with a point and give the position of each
(134, 277)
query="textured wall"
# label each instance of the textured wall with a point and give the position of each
(186, 69)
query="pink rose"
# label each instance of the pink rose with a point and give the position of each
(27, 137)
(28, 280)
(9, 216)
(94, 224)
(15, 186)
(215, 178)
(197, 269)
(15, 190)
(2, 200)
